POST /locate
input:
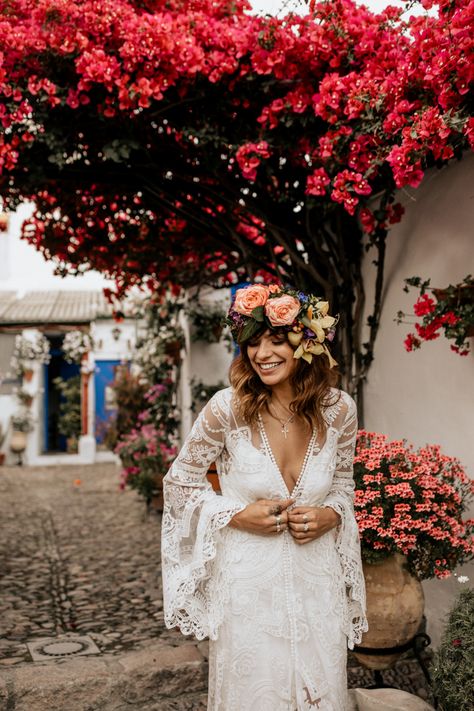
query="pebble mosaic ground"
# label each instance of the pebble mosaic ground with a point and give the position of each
(80, 560)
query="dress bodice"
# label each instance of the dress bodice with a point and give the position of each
(247, 473)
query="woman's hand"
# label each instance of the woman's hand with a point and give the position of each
(306, 523)
(264, 516)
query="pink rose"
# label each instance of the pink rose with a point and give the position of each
(282, 310)
(249, 298)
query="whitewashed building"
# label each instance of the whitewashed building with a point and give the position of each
(54, 314)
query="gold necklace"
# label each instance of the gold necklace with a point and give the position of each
(284, 423)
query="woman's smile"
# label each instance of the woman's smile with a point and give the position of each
(271, 356)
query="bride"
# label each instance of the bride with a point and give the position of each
(270, 570)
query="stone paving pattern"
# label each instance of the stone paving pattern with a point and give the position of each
(77, 555)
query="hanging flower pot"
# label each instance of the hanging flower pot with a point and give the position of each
(173, 350)
(395, 605)
(28, 375)
(449, 313)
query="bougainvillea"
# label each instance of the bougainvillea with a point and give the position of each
(412, 502)
(194, 141)
(450, 313)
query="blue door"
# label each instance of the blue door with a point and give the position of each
(105, 406)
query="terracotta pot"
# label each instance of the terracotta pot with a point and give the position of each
(71, 445)
(217, 332)
(395, 604)
(155, 502)
(173, 350)
(213, 477)
(462, 295)
(18, 441)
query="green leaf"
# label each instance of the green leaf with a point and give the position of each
(248, 330)
(258, 313)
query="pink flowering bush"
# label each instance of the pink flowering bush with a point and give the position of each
(146, 457)
(450, 313)
(412, 502)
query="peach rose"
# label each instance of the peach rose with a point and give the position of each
(282, 310)
(249, 298)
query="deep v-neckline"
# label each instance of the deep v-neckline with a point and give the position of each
(272, 458)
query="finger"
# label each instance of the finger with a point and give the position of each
(302, 541)
(299, 534)
(302, 509)
(295, 525)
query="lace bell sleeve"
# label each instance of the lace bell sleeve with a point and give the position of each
(341, 499)
(193, 517)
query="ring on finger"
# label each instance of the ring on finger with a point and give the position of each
(278, 520)
(305, 518)
(278, 527)
(306, 527)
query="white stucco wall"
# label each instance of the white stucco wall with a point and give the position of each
(207, 362)
(427, 396)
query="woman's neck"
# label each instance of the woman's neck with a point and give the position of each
(283, 394)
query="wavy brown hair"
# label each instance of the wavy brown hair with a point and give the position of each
(311, 383)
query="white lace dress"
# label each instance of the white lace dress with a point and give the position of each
(279, 615)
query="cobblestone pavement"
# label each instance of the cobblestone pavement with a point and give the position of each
(77, 555)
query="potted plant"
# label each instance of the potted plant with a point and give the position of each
(22, 421)
(450, 313)
(453, 663)
(146, 457)
(22, 424)
(69, 424)
(76, 345)
(26, 352)
(25, 398)
(207, 322)
(409, 506)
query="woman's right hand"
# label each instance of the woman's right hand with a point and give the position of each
(262, 517)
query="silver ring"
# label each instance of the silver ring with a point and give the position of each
(305, 518)
(306, 527)
(278, 527)
(278, 520)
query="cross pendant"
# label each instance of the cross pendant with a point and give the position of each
(284, 431)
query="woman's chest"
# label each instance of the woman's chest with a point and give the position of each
(252, 472)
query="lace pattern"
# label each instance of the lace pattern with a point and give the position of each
(193, 516)
(341, 499)
(268, 605)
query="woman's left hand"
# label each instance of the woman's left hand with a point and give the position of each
(306, 523)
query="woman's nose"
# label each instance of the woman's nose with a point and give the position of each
(264, 350)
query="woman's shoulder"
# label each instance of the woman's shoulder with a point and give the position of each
(221, 399)
(339, 402)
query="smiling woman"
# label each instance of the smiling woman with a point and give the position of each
(271, 569)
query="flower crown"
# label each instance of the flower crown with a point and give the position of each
(304, 317)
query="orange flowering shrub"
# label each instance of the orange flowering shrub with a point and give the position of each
(412, 502)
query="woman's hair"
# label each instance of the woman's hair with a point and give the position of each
(311, 383)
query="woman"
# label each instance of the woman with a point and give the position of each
(271, 569)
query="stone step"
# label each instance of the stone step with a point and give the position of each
(149, 679)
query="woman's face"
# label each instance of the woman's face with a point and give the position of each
(271, 356)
